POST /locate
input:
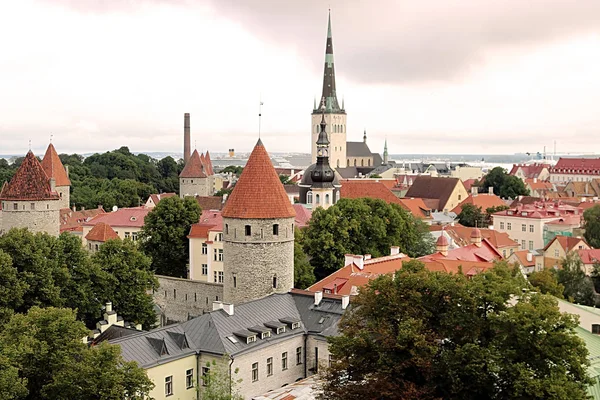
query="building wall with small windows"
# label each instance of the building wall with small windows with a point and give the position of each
(359, 162)
(206, 257)
(196, 186)
(170, 379)
(65, 195)
(259, 258)
(317, 354)
(124, 232)
(181, 299)
(37, 216)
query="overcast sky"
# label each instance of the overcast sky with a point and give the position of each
(461, 76)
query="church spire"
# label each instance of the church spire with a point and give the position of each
(329, 92)
(385, 152)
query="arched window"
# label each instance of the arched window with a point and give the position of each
(309, 198)
(355, 162)
(327, 199)
(317, 199)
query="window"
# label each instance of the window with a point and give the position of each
(32, 205)
(254, 372)
(508, 226)
(96, 248)
(218, 275)
(134, 236)
(281, 330)
(218, 254)
(234, 280)
(531, 228)
(316, 360)
(189, 378)
(531, 245)
(284, 361)
(522, 244)
(459, 197)
(251, 339)
(248, 230)
(127, 235)
(317, 199)
(327, 199)
(523, 228)
(205, 377)
(276, 229)
(227, 229)
(89, 246)
(275, 282)
(219, 237)
(265, 335)
(309, 198)
(296, 325)
(169, 385)
(504, 253)
(204, 269)
(15, 206)
(204, 248)
(298, 355)
(269, 366)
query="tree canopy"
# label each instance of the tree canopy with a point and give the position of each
(578, 287)
(304, 273)
(45, 347)
(362, 226)
(472, 215)
(591, 224)
(164, 235)
(431, 335)
(505, 185)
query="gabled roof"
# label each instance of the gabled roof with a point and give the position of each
(210, 221)
(535, 184)
(428, 187)
(468, 183)
(484, 253)
(482, 200)
(123, 217)
(358, 149)
(529, 170)
(417, 207)
(30, 182)
(589, 256)
(361, 188)
(157, 197)
(101, 232)
(588, 166)
(521, 255)
(303, 215)
(195, 167)
(210, 202)
(461, 235)
(568, 243)
(54, 167)
(259, 192)
(73, 220)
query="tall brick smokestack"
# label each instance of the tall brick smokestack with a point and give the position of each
(186, 137)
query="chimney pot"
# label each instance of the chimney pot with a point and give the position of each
(318, 297)
(529, 257)
(348, 259)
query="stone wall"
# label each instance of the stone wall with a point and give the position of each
(65, 195)
(195, 187)
(253, 264)
(42, 217)
(181, 299)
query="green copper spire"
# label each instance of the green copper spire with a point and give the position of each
(329, 92)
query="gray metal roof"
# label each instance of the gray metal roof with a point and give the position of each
(357, 149)
(209, 332)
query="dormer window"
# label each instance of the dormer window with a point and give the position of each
(281, 330)
(251, 339)
(296, 325)
(265, 335)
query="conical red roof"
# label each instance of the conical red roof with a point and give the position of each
(30, 182)
(194, 167)
(54, 167)
(209, 166)
(259, 192)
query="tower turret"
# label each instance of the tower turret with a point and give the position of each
(322, 175)
(258, 233)
(54, 168)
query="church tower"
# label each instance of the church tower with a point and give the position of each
(322, 175)
(54, 168)
(258, 233)
(385, 153)
(335, 116)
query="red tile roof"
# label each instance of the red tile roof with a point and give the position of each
(529, 170)
(589, 256)
(303, 215)
(123, 217)
(417, 207)
(359, 188)
(156, 198)
(54, 167)
(30, 182)
(72, 221)
(195, 167)
(578, 166)
(486, 253)
(535, 184)
(208, 164)
(259, 192)
(461, 235)
(522, 257)
(543, 210)
(483, 200)
(210, 202)
(468, 183)
(568, 243)
(101, 232)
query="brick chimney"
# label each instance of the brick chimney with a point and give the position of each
(186, 137)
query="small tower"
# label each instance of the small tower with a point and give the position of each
(476, 237)
(441, 245)
(365, 136)
(258, 233)
(30, 199)
(196, 178)
(54, 168)
(335, 117)
(385, 153)
(322, 175)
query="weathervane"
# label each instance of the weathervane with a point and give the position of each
(51, 136)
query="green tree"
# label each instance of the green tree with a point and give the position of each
(432, 335)
(578, 287)
(237, 170)
(12, 288)
(505, 185)
(218, 384)
(45, 346)
(129, 278)
(164, 235)
(545, 281)
(12, 386)
(285, 180)
(490, 211)
(472, 216)
(304, 273)
(591, 224)
(362, 226)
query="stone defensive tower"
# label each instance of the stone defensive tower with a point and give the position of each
(196, 179)
(335, 116)
(258, 228)
(30, 199)
(54, 168)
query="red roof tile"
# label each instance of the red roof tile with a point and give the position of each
(522, 257)
(461, 235)
(259, 192)
(194, 168)
(208, 164)
(54, 167)
(535, 184)
(486, 253)
(417, 207)
(580, 166)
(123, 217)
(589, 256)
(210, 202)
(303, 215)
(568, 243)
(529, 170)
(73, 220)
(30, 182)
(359, 188)
(101, 232)
(156, 198)
(468, 183)
(482, 200)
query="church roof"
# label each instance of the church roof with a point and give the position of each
(357, 149)
(101, 232)
(259, 192)
(195, 167)
(54, 167)
(30, 182)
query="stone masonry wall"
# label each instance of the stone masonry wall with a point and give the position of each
(199, 187)
(256, 259)
(65, 194)
(180, 299)
(44, 217)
